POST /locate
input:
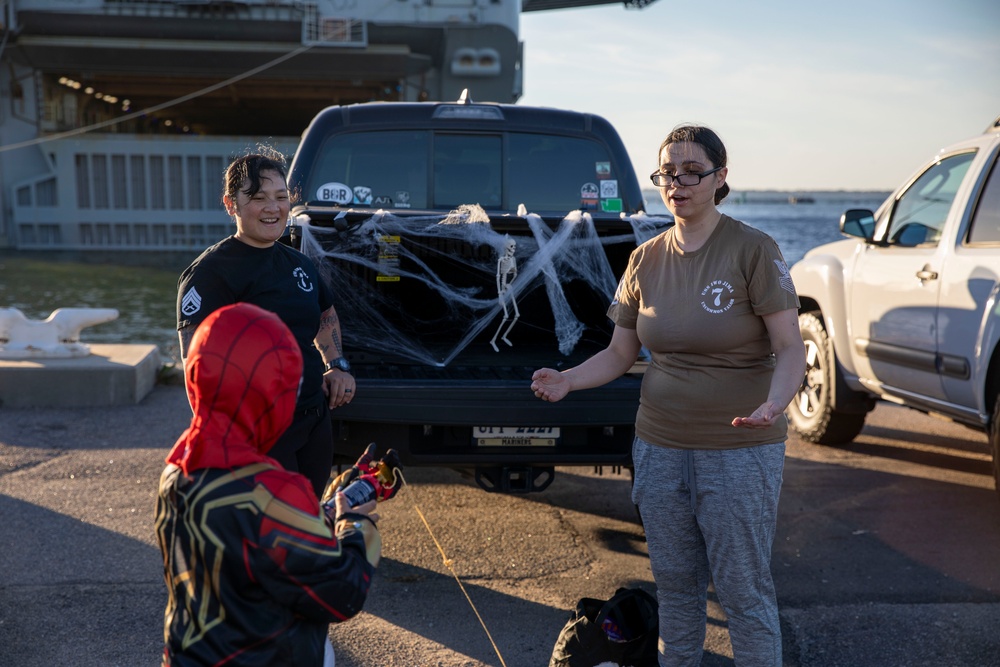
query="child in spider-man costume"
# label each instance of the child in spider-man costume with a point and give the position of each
(255, 569)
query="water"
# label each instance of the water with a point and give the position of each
(797, 227)
(143, 286)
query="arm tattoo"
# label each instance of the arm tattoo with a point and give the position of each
(330, 322)
(329, 318)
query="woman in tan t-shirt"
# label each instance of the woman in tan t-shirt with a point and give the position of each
(712, 301)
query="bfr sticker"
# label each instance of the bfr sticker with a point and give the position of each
(338, 193)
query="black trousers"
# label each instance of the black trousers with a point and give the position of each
(307, 446)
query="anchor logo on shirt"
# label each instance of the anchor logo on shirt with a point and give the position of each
(302, 279)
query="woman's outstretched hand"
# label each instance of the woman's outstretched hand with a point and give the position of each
(549, 385)
(762, 417)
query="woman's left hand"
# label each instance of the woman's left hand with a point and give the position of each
(762, 417)
(339, 387)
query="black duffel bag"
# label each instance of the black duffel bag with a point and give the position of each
(623, 631)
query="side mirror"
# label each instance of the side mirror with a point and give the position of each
(858, 222)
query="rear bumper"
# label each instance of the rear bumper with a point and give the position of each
(488, 402)
(432, 424)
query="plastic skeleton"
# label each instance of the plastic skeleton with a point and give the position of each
(506, 272)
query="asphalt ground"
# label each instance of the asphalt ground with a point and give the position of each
(888, 551)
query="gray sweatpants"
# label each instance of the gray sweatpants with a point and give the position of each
(710, 514)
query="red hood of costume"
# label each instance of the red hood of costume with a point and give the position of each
(243, 372)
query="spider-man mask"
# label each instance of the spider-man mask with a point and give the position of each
(243, 373)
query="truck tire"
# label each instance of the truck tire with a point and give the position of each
(994, 435)
(811, 413)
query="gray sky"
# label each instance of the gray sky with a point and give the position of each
(806, 95)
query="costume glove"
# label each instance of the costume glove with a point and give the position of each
(367, 479)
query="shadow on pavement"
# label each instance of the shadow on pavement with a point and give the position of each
(959, 462)
(76, 594)
(506, 617)
(847, 535)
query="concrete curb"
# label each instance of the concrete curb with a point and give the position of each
(111, 375)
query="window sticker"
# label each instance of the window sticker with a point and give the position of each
(611, 205)
(362, 195)
(388, 259)
(609, 189)
(589, 191)
(588, 205)
(603, 169)
(382, 200)
(402, 199)
(338, 193)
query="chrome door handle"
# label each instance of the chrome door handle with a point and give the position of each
(926, 273)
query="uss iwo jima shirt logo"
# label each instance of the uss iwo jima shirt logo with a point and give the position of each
(717, 297)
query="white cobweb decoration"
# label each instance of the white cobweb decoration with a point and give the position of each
(375, 267)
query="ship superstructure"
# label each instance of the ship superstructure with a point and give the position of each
(117, 117)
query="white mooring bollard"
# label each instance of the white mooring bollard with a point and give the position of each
(57, 337)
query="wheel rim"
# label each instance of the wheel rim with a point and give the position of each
(808, 398)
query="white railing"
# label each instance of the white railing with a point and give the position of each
(129, 192)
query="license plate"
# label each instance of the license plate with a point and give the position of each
(516, 436)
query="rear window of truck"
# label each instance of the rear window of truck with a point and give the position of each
(425, 169)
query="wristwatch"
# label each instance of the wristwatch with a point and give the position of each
(340, 363)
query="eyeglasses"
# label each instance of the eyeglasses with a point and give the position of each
(662, 180)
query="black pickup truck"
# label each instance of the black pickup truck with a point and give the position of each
(467, 245)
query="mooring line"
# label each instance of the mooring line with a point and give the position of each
(448, 563)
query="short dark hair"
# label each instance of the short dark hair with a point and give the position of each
(247, 168)
(707, 139)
